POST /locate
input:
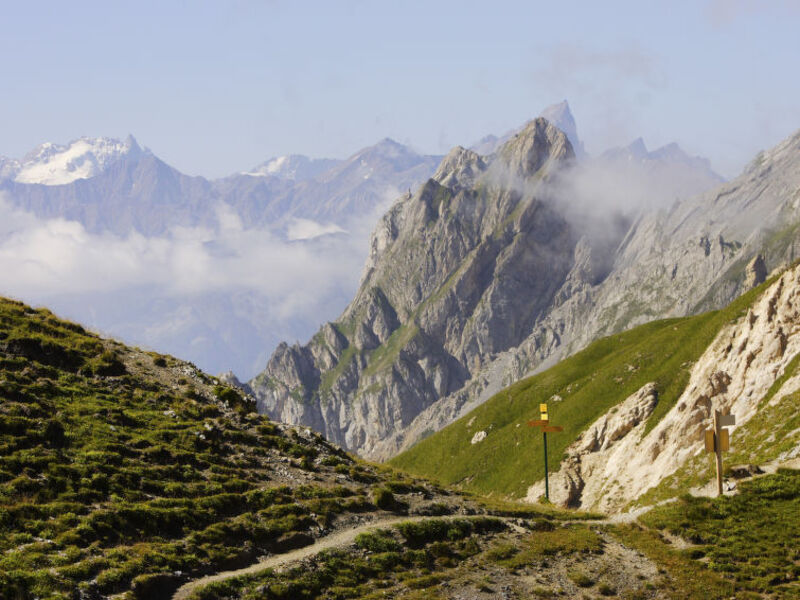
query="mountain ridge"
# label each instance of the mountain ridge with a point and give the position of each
(400, 331)
(383, 323)
(147, 195)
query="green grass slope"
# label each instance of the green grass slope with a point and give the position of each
(123, 471)
(590, 383)
(747, 541)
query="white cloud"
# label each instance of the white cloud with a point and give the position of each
(222, 296)
(45, 257)
(306, 229)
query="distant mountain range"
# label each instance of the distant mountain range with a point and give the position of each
(112, 186)
(300, 210)
(298, 207)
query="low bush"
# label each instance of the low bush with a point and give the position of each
(383, 498)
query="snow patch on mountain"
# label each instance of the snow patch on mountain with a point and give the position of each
(293, 167)
(56, 164)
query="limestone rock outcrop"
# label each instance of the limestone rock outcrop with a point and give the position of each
(615, 461)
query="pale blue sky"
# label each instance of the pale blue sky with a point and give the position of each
(216, 87)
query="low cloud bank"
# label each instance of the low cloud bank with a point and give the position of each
(46, 256)
(217, 280)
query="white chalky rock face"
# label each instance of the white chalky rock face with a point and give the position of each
(478, 437)
(614, 462)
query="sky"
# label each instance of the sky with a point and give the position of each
(217, 87)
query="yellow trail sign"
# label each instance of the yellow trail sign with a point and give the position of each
(724, 440)
(709, 440)
(544, 424)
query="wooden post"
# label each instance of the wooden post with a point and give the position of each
(717, 440)
(546, 480)
(718, 450)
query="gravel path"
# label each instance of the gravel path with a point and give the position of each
(335, 540)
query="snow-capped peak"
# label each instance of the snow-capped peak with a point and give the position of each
(55, 164)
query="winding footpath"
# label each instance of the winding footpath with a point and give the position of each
(335, 540)
(346, 537)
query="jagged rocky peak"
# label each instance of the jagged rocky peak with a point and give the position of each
(293, 363)
(561, 116)
(440, 293)
(537, 145)
(460, 168)
(558, 115)
(471, 285)
(637, 148)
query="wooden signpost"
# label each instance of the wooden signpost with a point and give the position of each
(544, 424)
(718, 441)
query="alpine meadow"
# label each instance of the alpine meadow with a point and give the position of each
(415, 301)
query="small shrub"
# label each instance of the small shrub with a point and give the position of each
(423, 582)
(580, 579)
(386, 561)
(54, 434)
(377, 541)
(606, 590)
(384, 499)
(502, 552)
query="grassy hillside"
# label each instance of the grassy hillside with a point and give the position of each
(123, 470)
(749, 541)
(589, 383)
(125, 473)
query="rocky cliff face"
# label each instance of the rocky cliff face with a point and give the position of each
(491, 272)
(457, 273)
(697, 255)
